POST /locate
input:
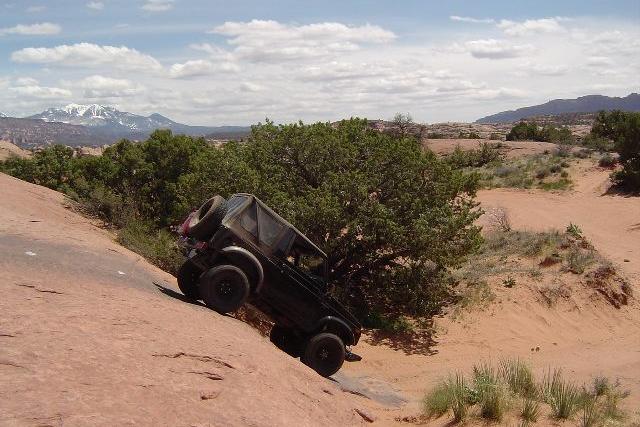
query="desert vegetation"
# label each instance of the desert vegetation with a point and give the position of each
(394, 217)
(511, 389)
(530, 131)
(547, 171)
(622, 131)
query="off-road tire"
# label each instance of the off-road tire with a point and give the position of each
(286, 340)
(224, 288)
(324, 354)
(188, 276)
(205, 221)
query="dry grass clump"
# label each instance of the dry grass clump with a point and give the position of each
(493, 393)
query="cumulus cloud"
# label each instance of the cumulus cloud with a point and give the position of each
(43, 29)
(87, 55)
(532, 26)
(157, 5)
(271, 41)
(95, 5)
(472, 20)
(30, 88)
(200, 67)
(98, 86)
(496, 49)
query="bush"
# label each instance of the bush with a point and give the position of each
(525, 131)
(450, 395)
(563, 397)
(607, 161)
(393, 216)
(623, 128)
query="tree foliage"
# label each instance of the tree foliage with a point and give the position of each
(392, 216)
(623, 128)
(527, 131)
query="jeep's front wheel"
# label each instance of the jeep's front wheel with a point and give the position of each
(286, 340)
(325, 354)
(188, 275)
(224, 288)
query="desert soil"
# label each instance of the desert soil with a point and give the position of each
(8, 149)
(91, 334)
(582, 334)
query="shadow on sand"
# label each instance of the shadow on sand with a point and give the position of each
(177, 295)
(421, 341)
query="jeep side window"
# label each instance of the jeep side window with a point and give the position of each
(248, 220)
(306, 259)
(270, 228)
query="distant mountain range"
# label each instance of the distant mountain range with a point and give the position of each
(583, 104)
(95, 125)
(2, 114)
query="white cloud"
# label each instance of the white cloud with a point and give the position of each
(599, 61)
(157, 5)
(251, 87)
(534, 68)
(36, 9)
(106, 87)
(88, 55)
(29, 88)
(496, 49)
(26, 81)
(200, 67)
(532, 26)
(43, 29)
(95, 5)
(472, 20)
(271, 41)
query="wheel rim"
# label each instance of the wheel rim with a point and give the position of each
(226, 290)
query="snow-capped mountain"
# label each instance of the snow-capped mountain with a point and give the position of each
(110, 121)
(107, 118)
(3, 115)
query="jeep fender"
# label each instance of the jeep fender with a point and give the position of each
(337, 326)
(243, 256)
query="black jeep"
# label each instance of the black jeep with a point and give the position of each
(242, 251)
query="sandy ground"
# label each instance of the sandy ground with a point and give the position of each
(582, 334)
(92, 335)
(8, 149)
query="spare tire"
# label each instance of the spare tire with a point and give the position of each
(204, 222)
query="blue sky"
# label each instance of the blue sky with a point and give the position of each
(214, 62)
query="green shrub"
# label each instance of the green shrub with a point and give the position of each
(525, 131)
(158, 246)
(623, 128)
(607, 161)
(437, 402)
(530, 410)
(591, 414)
(574, 230)
(578, 260)
(519, 377)
(563, 397)
(597, 143)
(491, 394)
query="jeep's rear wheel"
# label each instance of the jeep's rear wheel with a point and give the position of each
(188, 276)
(205, 221)
(286, 340)
(224, 288)
(325, 354)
